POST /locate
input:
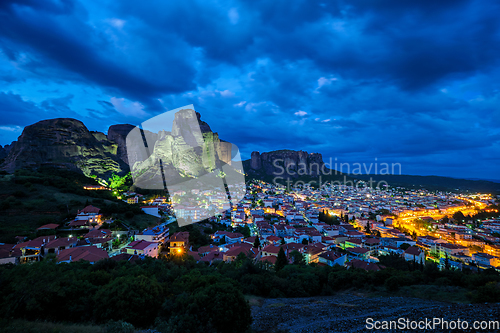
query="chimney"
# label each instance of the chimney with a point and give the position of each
(70, 258)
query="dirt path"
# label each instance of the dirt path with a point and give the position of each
(348, 313)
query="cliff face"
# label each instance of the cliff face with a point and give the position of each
(286, 163)
(4, 151)
(118, 134)
(183, 152)
(65, 143)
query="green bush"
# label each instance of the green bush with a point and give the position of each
(392, 284)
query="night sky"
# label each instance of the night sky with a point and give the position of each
(403, 81)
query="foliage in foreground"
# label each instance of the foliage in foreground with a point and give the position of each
(182, 296)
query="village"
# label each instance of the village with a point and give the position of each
(332, 225)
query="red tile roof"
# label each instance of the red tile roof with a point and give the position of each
(270, 259)
(125, 257)
(101, 233)
(243, 247)
(90, 210)
(413, 250)
(358, 250)
(87, 253)
(62, 241)
(48, 226)
(182, 236)
(36, 243)
(140, 244)
(271, 249)
(214, 255)
(355, 263)
(330, 255)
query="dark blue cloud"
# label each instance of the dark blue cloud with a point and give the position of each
(415, 82)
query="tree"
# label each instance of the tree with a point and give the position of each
(404, 246)
(256, 244)
(305, 241)
(198, 304)
(297, 257)
(459, 216)
(282, 261)
(245, 231)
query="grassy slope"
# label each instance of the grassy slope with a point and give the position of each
(44, 204)
(49, 327)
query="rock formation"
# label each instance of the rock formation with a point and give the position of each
(190, 150)
(65, 143)
(117, 134)
(286, 163)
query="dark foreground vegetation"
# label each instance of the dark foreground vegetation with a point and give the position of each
(178, 295)
(30, 199)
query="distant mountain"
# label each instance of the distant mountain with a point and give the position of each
(489, 180)
(436, 183)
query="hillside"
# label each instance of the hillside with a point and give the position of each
(437, 183)
(31, 199)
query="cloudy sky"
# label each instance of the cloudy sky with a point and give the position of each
(413, 82)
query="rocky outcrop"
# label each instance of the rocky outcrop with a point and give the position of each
(118, 135)
(65, 143)
(287, 163)
(4, 151)
(184, 152)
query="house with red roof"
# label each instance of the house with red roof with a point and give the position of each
(9, 255)
(234, 251)
(331, 258)
(414, 253)
(204, 250)
(99, 233)
(178, 242)
(79, 224)
(274, 240)
(151, 210)
(157, 234)
(270, 250)
(360, 264)
(32, 250)
(312, 251)
(59, 244)
(125, 257)
(87, 253)
(229, 237)
(50, 226)
(268, 261)
(90, 214)
(211, 257)
(358, 252)
(142, 248)
(289, 247)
